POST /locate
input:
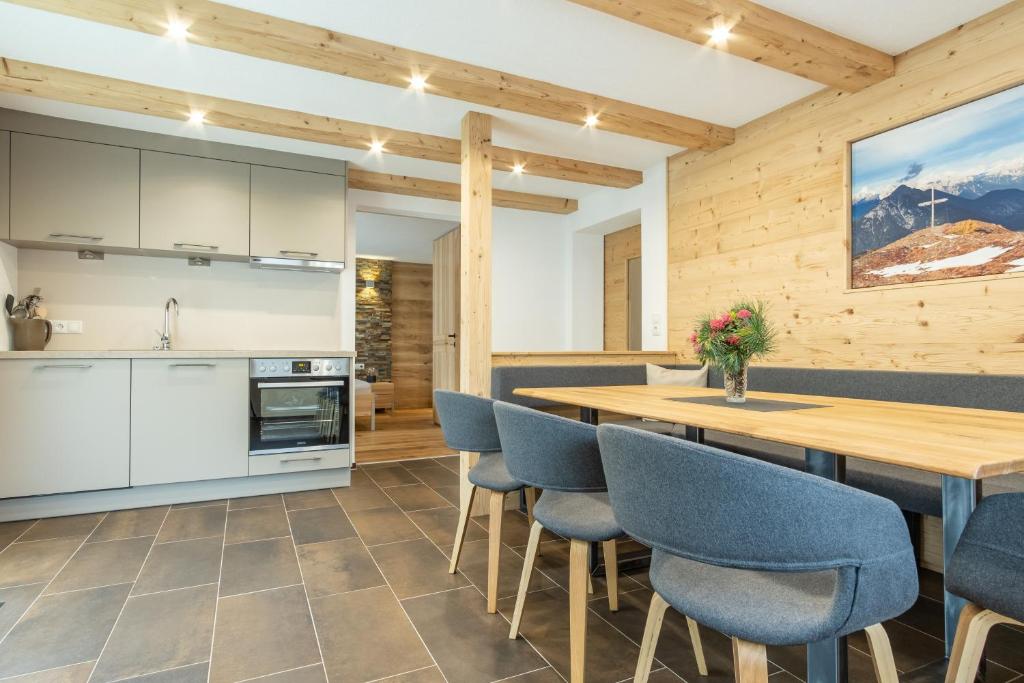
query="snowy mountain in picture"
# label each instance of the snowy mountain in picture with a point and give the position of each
(942, 197)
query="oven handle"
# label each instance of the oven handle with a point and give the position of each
(298, 385)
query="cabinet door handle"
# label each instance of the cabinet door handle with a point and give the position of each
(300, 458)
(310, 254)
(69, 236)
(188, 245)
(193, 365)
(66, 366)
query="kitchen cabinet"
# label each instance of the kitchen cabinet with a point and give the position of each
(66, 191)
(297, 214)
(192, 204)
(64, 426)
(190, 420)
(5, 184)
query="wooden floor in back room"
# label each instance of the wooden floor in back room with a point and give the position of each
(399, 435)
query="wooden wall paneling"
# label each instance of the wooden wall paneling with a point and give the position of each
(411, 334)
(767, 218)
(526, 358)
(64, 85)
(619, 247)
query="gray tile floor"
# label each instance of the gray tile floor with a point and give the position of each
(349, 585)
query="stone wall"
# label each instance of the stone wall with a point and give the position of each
(373, 318)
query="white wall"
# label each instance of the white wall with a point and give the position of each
(399, 238)
(226, 306)
(8, 285)
(531, 283)
(604, 212)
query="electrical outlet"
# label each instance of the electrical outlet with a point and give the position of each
(67, 326)
(360, 366)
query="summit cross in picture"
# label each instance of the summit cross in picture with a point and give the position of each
(941, 198)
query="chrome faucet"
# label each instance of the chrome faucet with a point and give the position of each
(165, 337)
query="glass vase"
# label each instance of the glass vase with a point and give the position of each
(736, 386)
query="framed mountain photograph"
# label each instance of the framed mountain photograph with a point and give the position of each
(940, 198)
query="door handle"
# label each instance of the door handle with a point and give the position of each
(66, 366)
(69, 236)
(300, 458)
(187, 245)
(193, 365)
(310, 254)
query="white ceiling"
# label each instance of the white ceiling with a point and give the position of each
(400, 238)
(553, 40)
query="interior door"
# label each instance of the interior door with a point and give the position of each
(446, 312)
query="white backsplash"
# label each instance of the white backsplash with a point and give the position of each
(120, 301)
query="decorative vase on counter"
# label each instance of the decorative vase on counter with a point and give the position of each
(30, 335)
(730, 340)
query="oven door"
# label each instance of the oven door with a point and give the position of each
(291, 415)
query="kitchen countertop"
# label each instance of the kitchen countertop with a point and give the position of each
(175, 353)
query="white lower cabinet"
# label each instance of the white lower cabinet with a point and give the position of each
(190, 420)
(64, 426)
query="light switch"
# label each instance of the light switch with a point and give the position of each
(656, 325)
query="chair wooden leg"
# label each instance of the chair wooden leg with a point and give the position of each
(971, 633)
(579, 569)
(655, 615)
(611, 572)
(750, 661)
(524, 581)
(881, 654)
(460, 533)
(531, 499)
(698, 646)
(494, 549)
(590, 582)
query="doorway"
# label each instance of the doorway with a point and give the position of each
(623, 291)
(394, 337)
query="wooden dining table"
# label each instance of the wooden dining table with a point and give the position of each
(964, 446)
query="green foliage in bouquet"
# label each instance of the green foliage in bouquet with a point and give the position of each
(730, 339)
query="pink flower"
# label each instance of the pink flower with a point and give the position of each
(732, 339)
(693, 338)
(718, 324)
(743, 313)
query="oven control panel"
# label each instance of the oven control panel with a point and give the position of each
(299, 367)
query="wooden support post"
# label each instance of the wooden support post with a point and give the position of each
(475, 265)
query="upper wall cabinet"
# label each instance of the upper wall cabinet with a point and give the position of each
(5, 184)
(192, 204)
(297, 214)
(74, 192)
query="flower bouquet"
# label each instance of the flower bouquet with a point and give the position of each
(728, 341)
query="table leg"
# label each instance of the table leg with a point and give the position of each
(959, 497)
(695, 434)
(588, 415)
(827, 659)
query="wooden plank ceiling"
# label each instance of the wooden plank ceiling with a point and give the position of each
(53, 83)
(358, 179)
(259, 35)
(761, 35)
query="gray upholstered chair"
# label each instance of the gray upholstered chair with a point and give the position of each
(467, 422)
(561, 457)
(759, 552)
(988, 570)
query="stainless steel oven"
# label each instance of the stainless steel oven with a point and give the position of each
(298, 405)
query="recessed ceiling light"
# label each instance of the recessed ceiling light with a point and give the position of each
(177, 30)
(719, 34)
(376, 147)
(517, 168)
(591, 120)
(197, 118)
(418, 82)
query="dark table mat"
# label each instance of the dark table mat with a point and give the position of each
(761, 405)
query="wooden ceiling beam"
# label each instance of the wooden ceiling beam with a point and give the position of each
(761, 35)
(53, 83)
(250, 33)
(358, 179)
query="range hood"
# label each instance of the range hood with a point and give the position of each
(308, 265)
